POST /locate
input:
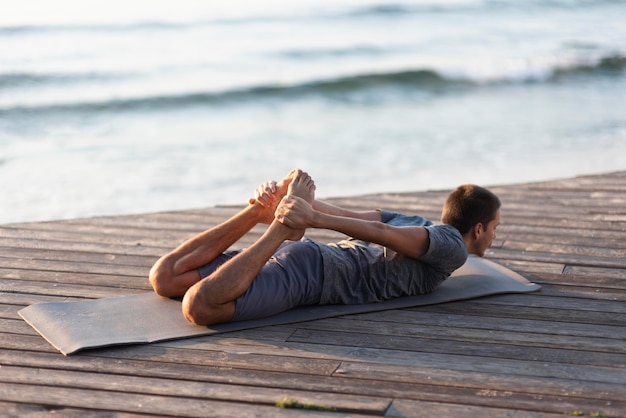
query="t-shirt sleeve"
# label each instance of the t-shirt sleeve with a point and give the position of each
(399, 219)
(446, 251)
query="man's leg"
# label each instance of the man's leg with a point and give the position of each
(212, 300)
(177, 271)
(174, 273)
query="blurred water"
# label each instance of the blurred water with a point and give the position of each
(142, 107)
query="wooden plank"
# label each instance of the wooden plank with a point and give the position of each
(23, 343)
(460, 347)
(140, 403)
(461, 328)
(8, 311)
(531, 268)
(241, 360)
(83, 247)
(63, 289)
(77, 257)
(112, 384)
(569, 259)
(502, 397)
(571, 249)
(97, 238)
(15, 325)
(87, 267)
(536, 300)
(541, 220)
(590, 277)
(582, 242)
(483, 308)
(158, 240)
(595, 272)
(22, 299)
(514, 230)
(52, 277)
(25, 410)
(571, 291)
(191, 368)
(423, 409)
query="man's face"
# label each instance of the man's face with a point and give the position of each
(487, 235)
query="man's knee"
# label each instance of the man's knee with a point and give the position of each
(161, 277)
(198, 309)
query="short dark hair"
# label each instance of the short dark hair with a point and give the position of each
(469, 205)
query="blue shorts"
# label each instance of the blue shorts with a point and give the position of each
(292, 277)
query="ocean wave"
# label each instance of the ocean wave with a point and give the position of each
(23, 79)
(351, 51)
(470, 6)
(607, 65)
(418, 79)
(269, 16)
(105, 27)
(350, 11)
(403, 82)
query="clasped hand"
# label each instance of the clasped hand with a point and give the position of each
(286, 201)
(294, 212)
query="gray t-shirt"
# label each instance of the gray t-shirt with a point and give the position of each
(356, 272)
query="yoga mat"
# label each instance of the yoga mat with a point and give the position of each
(147, 317)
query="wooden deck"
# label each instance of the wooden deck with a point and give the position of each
(557, 352)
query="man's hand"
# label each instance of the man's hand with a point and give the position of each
(295, 212)
(269, 194)
(265, 194)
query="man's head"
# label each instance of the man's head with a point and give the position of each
(475, 212)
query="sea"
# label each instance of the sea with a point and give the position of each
(135, 106)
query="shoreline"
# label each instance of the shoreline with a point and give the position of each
(152, 210)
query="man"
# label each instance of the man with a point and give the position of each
(282, 270)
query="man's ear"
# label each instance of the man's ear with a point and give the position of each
(477, 230)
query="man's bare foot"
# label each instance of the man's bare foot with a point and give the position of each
(283, 185)
(302, 186)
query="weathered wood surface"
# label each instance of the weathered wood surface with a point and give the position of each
(558, 351)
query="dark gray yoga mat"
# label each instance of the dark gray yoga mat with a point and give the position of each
(146, 318)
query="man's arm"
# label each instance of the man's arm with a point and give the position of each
(411, 241)
(270, 193)
(329, 209)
